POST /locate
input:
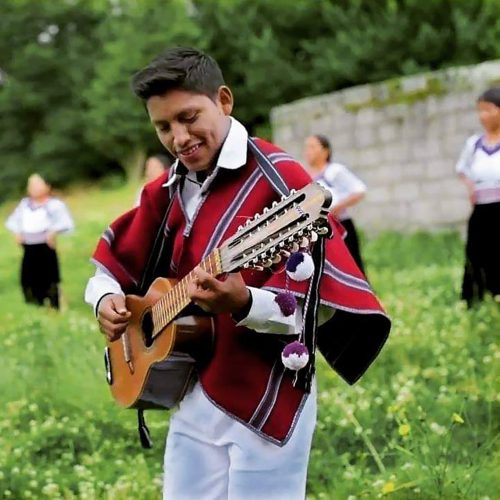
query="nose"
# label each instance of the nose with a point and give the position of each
(180, 136)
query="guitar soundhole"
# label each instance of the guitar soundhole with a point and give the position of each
(147, 329)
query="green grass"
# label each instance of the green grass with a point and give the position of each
(421, 423)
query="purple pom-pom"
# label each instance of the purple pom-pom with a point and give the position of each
(286, 302)
(295, 356)
(294, 260)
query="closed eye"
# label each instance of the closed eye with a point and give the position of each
(163, 127)
(190, 118)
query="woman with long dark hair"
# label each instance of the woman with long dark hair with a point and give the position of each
(347, 189)
(479, 168)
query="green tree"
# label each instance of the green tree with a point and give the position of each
(116, 121)
(45, 47)
(66, 108)
(276, 52)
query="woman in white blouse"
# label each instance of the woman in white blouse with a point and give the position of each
(347, 190)
(479, 168)
(35, 223)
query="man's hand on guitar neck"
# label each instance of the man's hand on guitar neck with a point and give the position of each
(217, 296)
(113, 316)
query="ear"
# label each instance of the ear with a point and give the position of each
(225, 99)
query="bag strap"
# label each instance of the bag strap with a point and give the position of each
(268, 169)
(147, 278)
(154, 257)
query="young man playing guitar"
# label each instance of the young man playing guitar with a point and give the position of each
(244, 431)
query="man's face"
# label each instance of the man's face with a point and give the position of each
(489, 115)
(192, 126)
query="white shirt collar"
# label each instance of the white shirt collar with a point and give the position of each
(233, 154)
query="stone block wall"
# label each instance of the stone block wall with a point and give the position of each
(402, 137)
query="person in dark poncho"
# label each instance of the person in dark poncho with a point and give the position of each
(479, 168)
(36, 222)
(244, 430)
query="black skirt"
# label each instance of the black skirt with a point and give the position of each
(482, 253)
(40, 274)
(352, 242)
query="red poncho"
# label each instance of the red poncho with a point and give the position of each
(245, 376)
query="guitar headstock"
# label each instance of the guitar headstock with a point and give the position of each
(282, 228)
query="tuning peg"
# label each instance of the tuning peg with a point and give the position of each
(293, 191)
(295, 247)
(265, 210)
(276, 258)
(322, 230)
(267, 262)
(275, 203)
(300, 233)
(246, 265)
(304, 243)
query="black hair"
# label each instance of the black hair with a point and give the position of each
(325, 143)
(491, 95)
(181, 68)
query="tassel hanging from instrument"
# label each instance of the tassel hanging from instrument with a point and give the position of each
(286, 302)
(295, 356)
(300, 266)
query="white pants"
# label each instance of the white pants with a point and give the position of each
(211, 456)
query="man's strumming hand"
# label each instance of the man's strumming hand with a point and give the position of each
(219, 296)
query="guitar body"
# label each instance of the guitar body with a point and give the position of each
(146, 372)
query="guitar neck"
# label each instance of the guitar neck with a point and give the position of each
(257, 244)
(171, 304)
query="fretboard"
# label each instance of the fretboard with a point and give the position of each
(171, 304)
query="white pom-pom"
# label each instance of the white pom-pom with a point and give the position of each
(300, 266)
(295, 356)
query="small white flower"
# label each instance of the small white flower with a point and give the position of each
(438, 429)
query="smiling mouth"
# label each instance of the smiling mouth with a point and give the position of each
(189, 151)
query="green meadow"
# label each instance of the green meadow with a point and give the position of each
(422, 423)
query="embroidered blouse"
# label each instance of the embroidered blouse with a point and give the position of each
(33, 221)
(341, 182)
(480, 162)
